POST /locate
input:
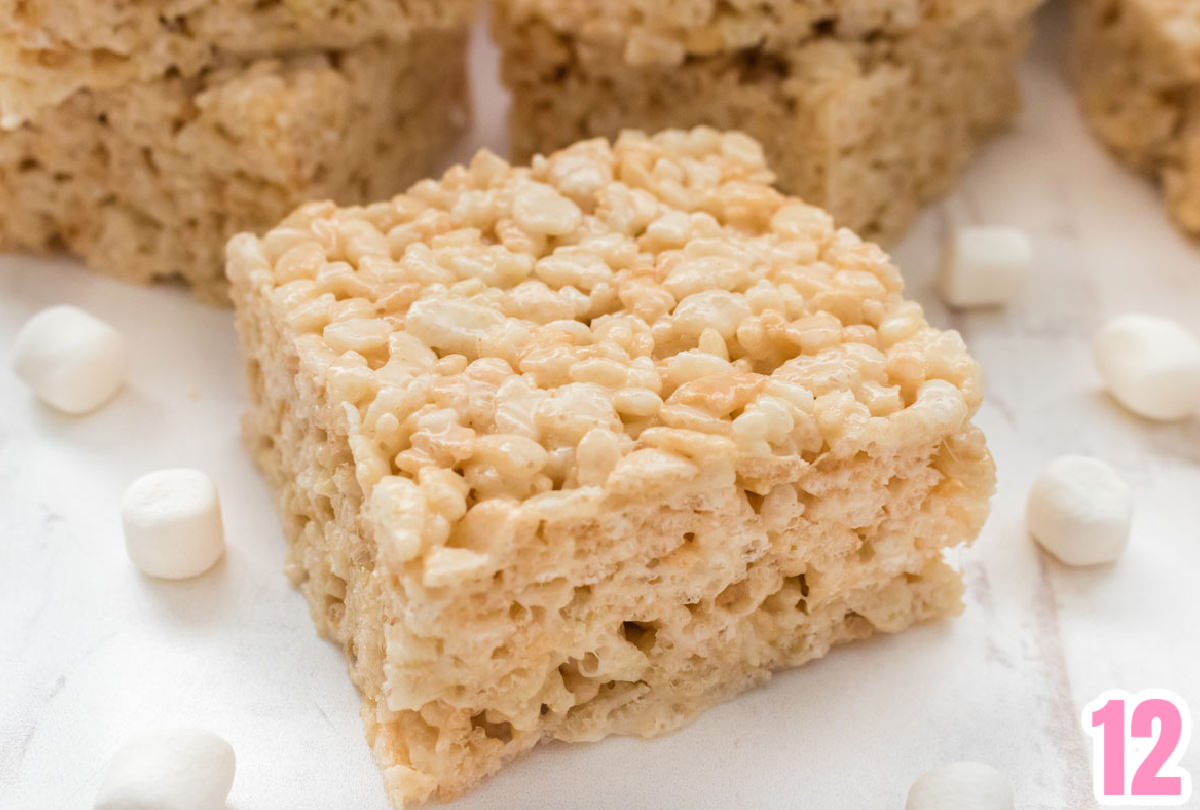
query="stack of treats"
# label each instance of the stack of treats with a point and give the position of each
(868, 108)
(1137, 66)
(141, 136)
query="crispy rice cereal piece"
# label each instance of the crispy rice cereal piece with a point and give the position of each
(586, 448)
(869, 129)
(50, 48)
(1137, 67)
(149, 181)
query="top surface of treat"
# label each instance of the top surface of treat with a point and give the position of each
(647, 300)
(667, 30)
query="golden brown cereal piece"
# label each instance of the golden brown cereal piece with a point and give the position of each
(584, 448)
(1137, 67)
(148, 181)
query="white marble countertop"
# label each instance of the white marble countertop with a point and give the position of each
(91, 652)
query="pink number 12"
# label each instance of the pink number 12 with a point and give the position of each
(1158, 780)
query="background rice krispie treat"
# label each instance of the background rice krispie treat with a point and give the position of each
(50, 49)
(868, 109)
(1137, 67)
(584, 448)
(148, 180)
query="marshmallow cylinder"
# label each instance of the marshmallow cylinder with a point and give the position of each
(1150, 365)
(180, 769)
(72, 360)
(984, 266)
(172, 522)
(961, 786)
(1080, 511)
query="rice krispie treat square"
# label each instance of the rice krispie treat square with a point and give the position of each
(584, 448)
(866, 109)
(149, 180)
(1137, 68)
(49, 48)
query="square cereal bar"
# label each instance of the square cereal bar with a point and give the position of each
(585, 448)
(49, 48)
(1137, 67)
(869, 127)
(149, 180)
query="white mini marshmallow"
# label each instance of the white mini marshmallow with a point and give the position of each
(72, 360)
(1080, 511)
(1150, 365)
(172, 521)
(961, 786)
(984, 266)
(181, 769)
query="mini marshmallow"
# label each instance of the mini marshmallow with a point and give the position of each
(984, 266)
(1080, 511)
(961, 786)
(173, 524)
(72, 360)
(181, 769)
(1150, 365)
